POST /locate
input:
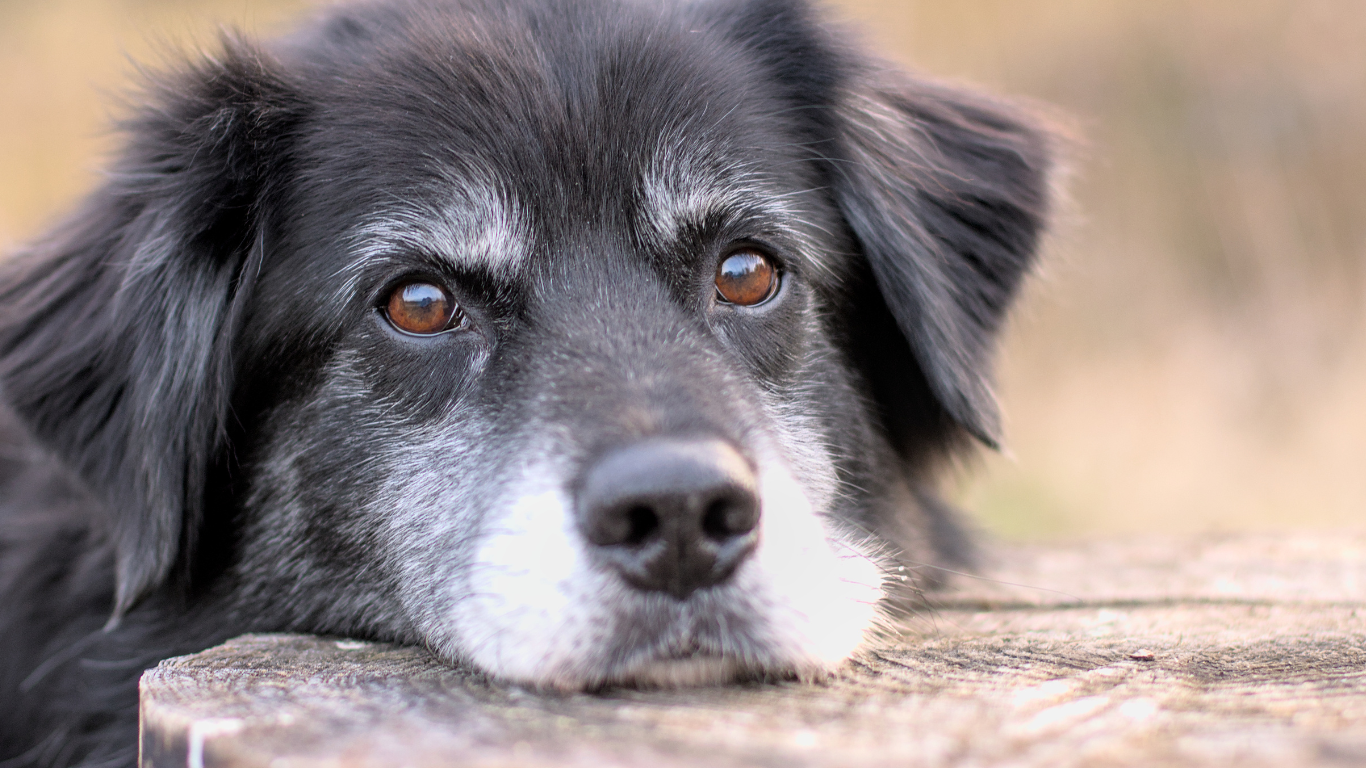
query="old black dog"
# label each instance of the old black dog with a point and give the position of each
(584, 342)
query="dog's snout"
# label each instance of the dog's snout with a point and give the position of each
(671, 515)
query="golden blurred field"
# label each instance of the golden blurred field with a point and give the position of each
(1193, 354)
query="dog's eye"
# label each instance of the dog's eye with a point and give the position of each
(422, 308)
(746, 277)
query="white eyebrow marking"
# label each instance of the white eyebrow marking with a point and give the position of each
(682, 187)
(480, 225)
(679, 187)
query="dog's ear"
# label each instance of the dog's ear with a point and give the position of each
(946, 193)
(115, 332)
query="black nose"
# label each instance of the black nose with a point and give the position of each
(671, 515)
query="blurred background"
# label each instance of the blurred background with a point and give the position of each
(1192, 355)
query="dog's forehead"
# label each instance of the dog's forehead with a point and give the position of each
(483, 222)
(504, 151)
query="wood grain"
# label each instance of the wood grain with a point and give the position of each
(1257, 648)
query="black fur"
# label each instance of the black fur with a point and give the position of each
(158, 349)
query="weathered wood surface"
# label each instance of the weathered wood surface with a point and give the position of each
(1258, 657)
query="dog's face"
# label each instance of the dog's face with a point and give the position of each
(585, 342)
(554, 443)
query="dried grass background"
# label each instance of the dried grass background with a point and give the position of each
(1192, 357)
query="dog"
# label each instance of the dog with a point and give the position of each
(587, 343)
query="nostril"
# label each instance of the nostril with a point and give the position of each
(728, 517)
(643, 522)
(714, 523)
(627, 525)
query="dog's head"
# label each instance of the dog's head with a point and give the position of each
(585, 341)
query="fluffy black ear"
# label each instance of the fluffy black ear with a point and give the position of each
(115, 332)
(946, 193)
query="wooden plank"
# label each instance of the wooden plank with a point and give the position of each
(1246, 650)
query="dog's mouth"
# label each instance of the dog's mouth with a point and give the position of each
(686, 659)
(684, 662)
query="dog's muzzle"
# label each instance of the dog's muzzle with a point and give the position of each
(670, 515)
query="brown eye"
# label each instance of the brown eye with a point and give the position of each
(421, 308)
(746, 277)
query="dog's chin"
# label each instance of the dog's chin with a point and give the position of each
(672, 672)
(700, 671)
(685, 672)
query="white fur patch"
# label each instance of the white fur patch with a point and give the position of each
(822, 594)
(528, 612)
(481, 225)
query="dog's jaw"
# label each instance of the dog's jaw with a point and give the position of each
(533, 609)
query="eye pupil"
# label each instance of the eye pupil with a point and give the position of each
(746, 277)
(421, 308)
